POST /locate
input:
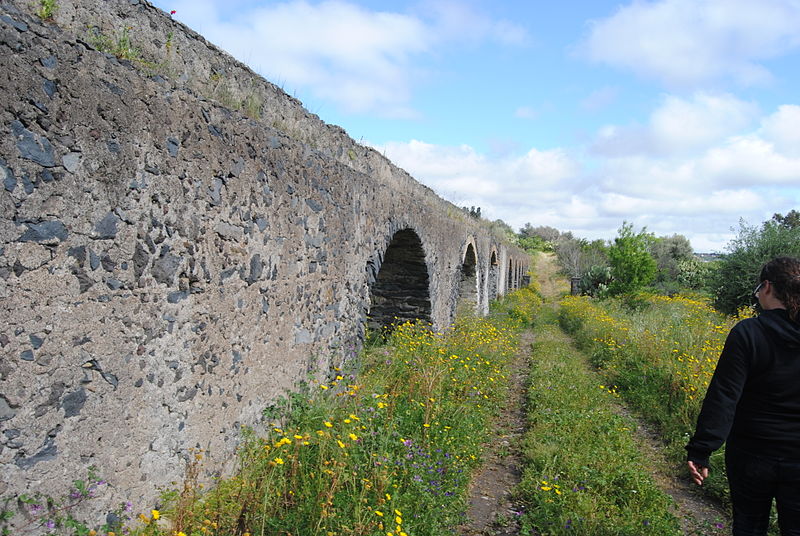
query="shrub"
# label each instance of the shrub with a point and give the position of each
(738, 270)
(631, 263)
(595, 281)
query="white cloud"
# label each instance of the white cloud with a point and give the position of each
(360, 60)
(689, 43)
(680, 127)
(783, 130)
(456, 21)
(750, 161)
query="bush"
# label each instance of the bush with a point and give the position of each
(695, 274)
(595, 281)
(737, 273)
(631, 263)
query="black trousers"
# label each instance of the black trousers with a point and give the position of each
(756, 480)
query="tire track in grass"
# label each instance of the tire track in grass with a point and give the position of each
(492, 508)
(584, 470)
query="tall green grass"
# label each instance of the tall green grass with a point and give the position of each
(584, 472)
(661, 353)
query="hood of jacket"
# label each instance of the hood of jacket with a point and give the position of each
(778, 323)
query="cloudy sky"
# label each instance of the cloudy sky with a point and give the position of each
(681, 116)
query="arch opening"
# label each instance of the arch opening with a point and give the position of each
(468, 286)
(401, 290)
(510, 279)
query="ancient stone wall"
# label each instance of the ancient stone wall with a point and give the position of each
(168, 265)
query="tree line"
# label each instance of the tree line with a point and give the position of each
(636, 260)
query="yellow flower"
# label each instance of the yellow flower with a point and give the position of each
(354, 437)
(278, 461)
(156, 514)
(328, 424)
(378, 513)
(341, 445)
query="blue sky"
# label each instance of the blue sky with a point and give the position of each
(679, 115)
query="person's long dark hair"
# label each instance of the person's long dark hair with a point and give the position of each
(784, 274)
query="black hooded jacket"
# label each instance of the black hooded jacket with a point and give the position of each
(753, 400)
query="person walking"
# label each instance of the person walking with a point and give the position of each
(753, 404)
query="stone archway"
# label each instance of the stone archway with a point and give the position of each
(400, 291)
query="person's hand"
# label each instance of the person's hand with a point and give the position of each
(698, 472)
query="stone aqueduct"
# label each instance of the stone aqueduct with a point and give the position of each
(169, 265)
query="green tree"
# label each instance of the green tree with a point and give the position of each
(790, 221)
(738, 270)
(504, 230)
(632, 265)
(533, 243)
(668, 251)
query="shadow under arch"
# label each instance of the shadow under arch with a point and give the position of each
(400, 291)
(468, 285)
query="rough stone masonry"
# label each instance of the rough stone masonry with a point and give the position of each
(181, 242)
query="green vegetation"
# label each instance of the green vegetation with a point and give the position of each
(634, 261)
(120, 44)
(632, 265)
(732, 283)
(660, 354)
(585, 473)
(58, 515)
(47, 9)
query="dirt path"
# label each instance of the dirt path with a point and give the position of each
(492, 511)
(491, 507)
